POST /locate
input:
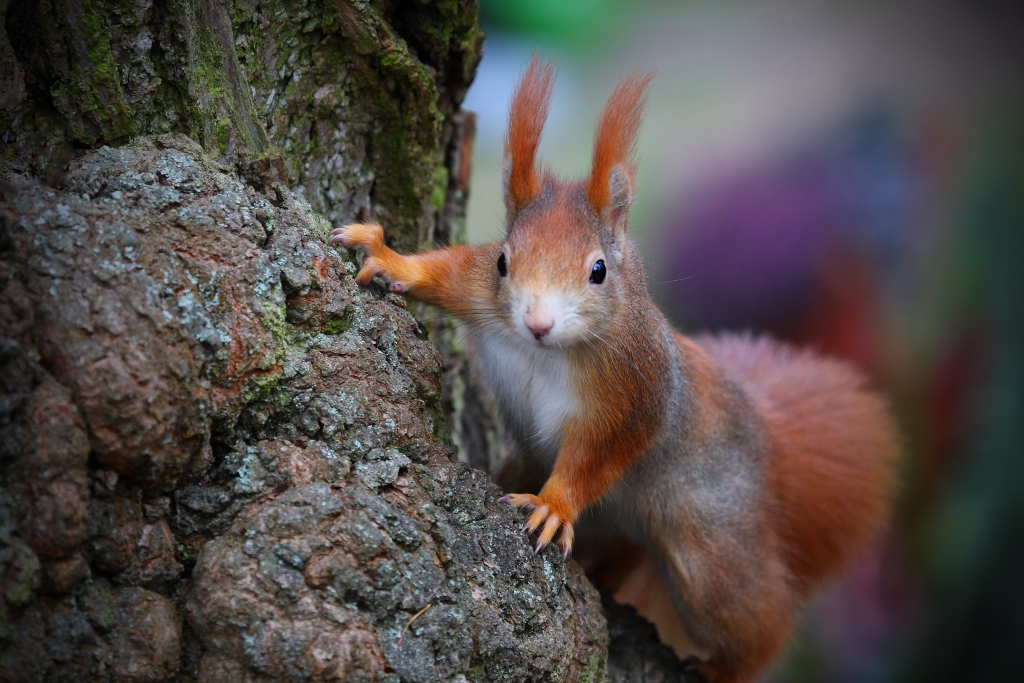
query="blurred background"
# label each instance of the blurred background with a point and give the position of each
(848, 176)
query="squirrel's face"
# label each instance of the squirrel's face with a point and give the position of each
(558, 277)
(561, 275)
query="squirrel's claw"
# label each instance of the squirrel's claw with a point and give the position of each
(548, 532)
(544, 519)
(368, 236)
(520, 500)
(565, 539)
(543, 512)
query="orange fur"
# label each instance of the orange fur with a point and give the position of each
(527, 113)
(436, 277)
(615, 140)
(753, 471)
(602, 443)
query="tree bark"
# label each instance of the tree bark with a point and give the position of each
(221, 459)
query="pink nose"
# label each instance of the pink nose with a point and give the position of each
(539, 329)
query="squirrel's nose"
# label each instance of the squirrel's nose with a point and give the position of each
(540, 328)
(539, 318)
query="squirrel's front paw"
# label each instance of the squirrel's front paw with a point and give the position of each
(368, 236)
(373, 265)
(547, 516)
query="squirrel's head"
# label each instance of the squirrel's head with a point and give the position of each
(567, 266)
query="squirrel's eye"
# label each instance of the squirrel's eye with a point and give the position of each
(598, 272)
(502, 268)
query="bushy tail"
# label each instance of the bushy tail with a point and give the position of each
(833, 448)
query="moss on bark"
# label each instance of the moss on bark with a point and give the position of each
(327, 96)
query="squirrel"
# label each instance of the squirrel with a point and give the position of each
(714, 480)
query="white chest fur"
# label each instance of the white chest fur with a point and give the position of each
(532, 384)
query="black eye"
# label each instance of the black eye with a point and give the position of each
(502, 268)
(598, 272)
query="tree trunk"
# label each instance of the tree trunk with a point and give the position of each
(220, 458)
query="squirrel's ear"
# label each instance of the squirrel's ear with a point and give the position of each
(620, 195)
(526, 116)
(613, 172)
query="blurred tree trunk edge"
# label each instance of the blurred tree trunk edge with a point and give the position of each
(220, 458)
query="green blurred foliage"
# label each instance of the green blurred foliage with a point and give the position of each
(569, 21)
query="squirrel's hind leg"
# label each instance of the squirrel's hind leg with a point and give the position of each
(644, 589)
(737, 609)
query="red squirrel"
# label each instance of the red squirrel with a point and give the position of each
(714, 480)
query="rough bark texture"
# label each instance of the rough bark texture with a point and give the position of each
(211, 418)
(220, 459)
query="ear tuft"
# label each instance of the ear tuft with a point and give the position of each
(526, 116)
(610, 187)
